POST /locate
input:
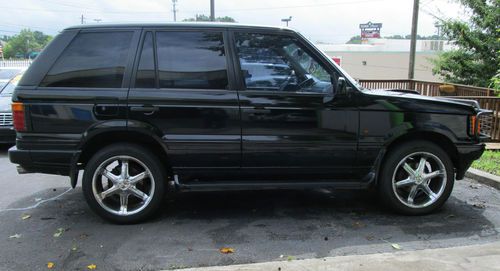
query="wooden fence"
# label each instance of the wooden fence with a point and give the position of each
(485, 97)
(425, 87)
(15, 63)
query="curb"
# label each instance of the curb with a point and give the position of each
(483, 177)
(473, 257)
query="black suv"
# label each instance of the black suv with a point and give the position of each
(147, 108)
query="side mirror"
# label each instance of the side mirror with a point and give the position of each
(341, 88)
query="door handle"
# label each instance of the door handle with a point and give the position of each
(145, 109)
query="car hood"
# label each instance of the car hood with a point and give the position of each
(434, 103)
(5, 102)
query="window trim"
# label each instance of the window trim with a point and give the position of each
(127, 67)
(138, 54)
(227, 50)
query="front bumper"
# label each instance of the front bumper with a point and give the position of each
(466, 155)
(7, 135)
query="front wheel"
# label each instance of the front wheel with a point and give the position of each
(124, 183)
(416, 178)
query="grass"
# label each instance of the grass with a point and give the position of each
(489, 162)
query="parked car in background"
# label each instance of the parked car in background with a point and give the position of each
(7, 73)
(7, 132)
(147, 108)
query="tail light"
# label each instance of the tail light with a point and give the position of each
(18, 116)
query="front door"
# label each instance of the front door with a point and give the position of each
(292, 129)
(182, 92)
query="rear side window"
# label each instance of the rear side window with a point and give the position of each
(92, 60)
(191, 60)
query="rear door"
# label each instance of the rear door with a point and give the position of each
(182, 92)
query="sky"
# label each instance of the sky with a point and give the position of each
(329, 21)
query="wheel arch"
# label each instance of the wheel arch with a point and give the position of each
(437, 138)
(91, 144)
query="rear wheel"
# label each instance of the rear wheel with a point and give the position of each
(416, 178)
(124, 183)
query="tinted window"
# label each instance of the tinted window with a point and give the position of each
(191, 60)
(280, 63)
(146, 70)
(93, 60)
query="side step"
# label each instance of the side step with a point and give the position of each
(269, 185)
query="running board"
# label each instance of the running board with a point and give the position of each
(270, 185)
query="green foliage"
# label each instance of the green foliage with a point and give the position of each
(407, 37)
(476, 60)
(355, 40)
(489, 162)
(25, 43)
(205, 18)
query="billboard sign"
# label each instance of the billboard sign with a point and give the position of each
(370, 30)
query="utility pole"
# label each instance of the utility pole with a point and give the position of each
(82, 19)
(212, 10)
(413, 42)
(174, 9)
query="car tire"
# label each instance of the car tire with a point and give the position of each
(124, 183)
(416, 178)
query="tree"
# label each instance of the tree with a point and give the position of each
(25, 42)
(354, 40)
(357, 39)
(476, 60)
(205, 18)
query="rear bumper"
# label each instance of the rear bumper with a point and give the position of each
(466, 155)
(42, 161)
(7, 135)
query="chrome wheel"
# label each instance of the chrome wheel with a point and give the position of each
(419, 179)
(123, 185)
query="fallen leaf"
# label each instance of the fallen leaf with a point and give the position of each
(290, 258)
(358, 224)
(479, 205)
(15, 236)
(59, 232)
(74, 248)
(226, 250)
(91, 266)
(24, 217)
(50, 265)
(396, 246)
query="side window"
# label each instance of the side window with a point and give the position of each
(191, 60)
(92, 60)
(146, 71)
(279, 63)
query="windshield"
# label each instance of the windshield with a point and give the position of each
(9, 88)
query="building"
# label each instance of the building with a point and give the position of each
(387, 58)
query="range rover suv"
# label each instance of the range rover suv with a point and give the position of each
(144, 109)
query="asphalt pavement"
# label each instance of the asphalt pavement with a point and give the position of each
(192, 228)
